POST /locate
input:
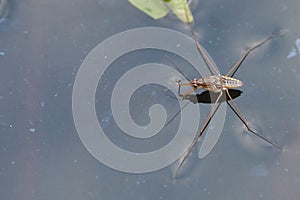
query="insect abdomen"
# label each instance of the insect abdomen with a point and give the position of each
(230, 82)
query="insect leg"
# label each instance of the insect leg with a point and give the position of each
(208, 119)
(211, 67)
(175, 115)
(209, 64)
(236, 66)
(194, 88)
(177, 68)
(236, 110)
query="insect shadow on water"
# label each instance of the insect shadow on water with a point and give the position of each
(204, 97)
(218, 88)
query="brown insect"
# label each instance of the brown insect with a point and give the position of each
(220, 85)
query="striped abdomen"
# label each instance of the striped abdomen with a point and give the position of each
(229, 82)
(217, 83)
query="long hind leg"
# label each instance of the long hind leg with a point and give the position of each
(236, 110)
(237, 65)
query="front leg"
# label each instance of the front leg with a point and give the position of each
(179, 86)
(185, 84)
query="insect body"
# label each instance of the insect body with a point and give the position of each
(213, 83)
(219, 85)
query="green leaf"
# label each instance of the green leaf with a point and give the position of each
(154, 8)
(181, 9)
(159, 8)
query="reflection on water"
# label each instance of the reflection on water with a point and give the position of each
(295, 49)
(3, 9)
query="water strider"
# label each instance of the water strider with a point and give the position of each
(220, 85)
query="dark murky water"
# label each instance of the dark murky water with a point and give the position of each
(42, 46)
